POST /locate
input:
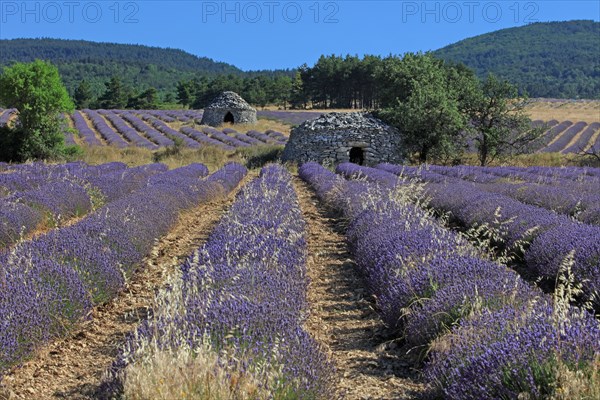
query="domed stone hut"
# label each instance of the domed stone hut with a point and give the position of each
(228, 107)
(341, 137)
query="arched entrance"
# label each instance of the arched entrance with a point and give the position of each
(357, 155)
(229, 117)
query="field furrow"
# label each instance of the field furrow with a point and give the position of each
(342, 314)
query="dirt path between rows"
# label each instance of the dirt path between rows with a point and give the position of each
(72, 368)
(342, 317)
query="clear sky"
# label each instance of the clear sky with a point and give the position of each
(280, 34)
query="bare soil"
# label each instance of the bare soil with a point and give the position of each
(370, 365)
(72, 367)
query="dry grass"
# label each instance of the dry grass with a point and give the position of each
(578, 384)
(534, 160)
(187, 374)
(213, 157)
(588, 111)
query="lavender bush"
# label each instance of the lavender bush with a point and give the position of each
(170, 132)
(154, 135)
(56, 278)
(491, 334)
(111, 137)
(127, 131)
(547, 237)
(241, 297)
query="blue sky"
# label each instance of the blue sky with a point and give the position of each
(279, 34)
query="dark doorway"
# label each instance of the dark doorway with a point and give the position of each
(357, 155)
(229, 117)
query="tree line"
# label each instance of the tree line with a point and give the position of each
(441, 109)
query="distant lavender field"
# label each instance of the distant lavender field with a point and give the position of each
(289, 117)
(154, 129)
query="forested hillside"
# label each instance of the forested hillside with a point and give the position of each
(138, 67)
(549, 59)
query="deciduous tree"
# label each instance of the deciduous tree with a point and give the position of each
(35, 89)
(499, 123)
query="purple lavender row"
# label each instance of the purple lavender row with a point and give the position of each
(573, 173)
(551, 237)
(251, 140)
(178, 115)
(289, 117)
(567, 198)
(156, 136)
(194, 114)
(261, 136)
(50, 205)
(112, 137)
(218, 135)
(40, 168)
(247, 139)
(486, 323)
(580, 177)
(84, 130)
(257, 301)
(565, 138)
(545, 175)
(161, 115)
(23, 177)
(6, 115)
(109, 180)
(204, 139)
(51, 283)
(552, 133)
(128, 132)
(541, 175)
(584, 140)
(114, 185)
(241, 137)
(229, 131)
(596, 145)
(69, 196)
(184, 174)
(168, 131)
(276, 135)
(404, 254)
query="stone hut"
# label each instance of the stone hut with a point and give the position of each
(341, 137)
(228, 107)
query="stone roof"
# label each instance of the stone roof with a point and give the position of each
(345, 121)
(230, 100)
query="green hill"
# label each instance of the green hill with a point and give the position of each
(138, 66)
(546, 59)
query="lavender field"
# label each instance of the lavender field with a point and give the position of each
(155, 129)
(485, 280)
